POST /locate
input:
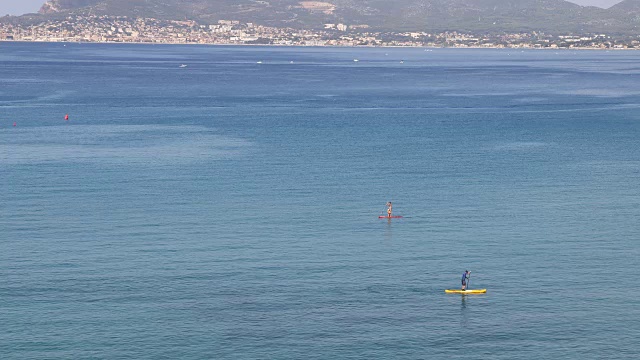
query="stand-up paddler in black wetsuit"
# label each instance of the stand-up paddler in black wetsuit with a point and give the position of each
(465, 279)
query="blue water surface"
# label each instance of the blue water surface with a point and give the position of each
(229, 209)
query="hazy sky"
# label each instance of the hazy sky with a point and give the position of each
(601, 3)
(19, 7)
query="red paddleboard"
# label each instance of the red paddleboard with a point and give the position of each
(389, 217)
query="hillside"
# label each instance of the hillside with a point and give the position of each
(398, 15)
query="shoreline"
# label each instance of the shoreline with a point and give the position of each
(324, 46)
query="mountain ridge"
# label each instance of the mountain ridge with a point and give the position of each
(380, 15)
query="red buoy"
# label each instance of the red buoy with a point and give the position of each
(66, 117)
(14, 123)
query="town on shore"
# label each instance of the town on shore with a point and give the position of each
(112, 29)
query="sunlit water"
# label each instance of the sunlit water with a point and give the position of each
(228, 210)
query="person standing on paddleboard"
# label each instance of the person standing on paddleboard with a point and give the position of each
(389, 206)
(465, 279)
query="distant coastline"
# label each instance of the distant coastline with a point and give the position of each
(324, 46)
(106, 29)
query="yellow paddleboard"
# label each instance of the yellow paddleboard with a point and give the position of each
(458, 291)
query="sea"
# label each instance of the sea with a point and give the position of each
(228, 209)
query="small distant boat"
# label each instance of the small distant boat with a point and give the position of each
(259, 62)
(355, 60)
(183, 65)
(401, 61)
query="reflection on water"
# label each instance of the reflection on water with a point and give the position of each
(388, 231)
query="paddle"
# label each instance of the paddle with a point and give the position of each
(468, 280)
